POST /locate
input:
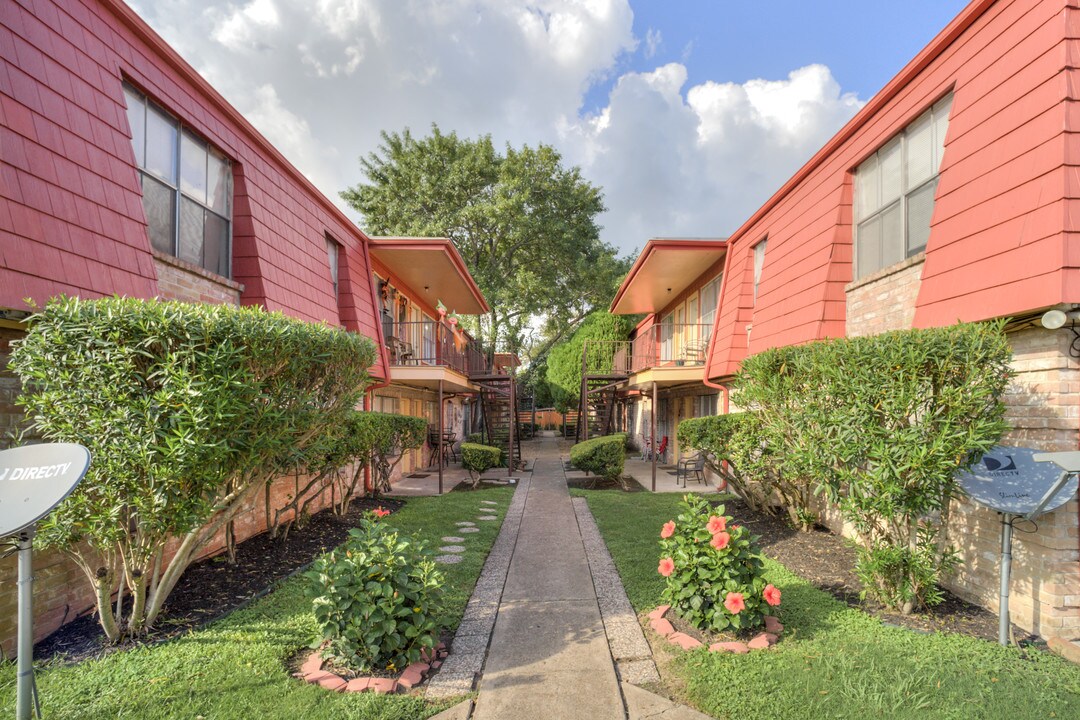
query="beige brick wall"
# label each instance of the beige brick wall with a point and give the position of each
(1043, 408)
(180, 280)
(885, 300)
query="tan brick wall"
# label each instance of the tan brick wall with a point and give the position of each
(11, 416)
(885, 300)
(62, 592)
(414, 401)
(1043, 408)
(180, 280)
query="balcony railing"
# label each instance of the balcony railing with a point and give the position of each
(664, 345)
(433, 343)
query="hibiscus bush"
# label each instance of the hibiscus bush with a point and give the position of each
(714, 570)
(376, 598)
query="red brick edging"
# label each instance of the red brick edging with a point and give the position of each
(761, 641)
(312, 671)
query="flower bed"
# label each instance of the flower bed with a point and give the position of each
(660, 625)
(314, 671)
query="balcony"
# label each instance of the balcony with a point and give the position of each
(667, 353)
(431, 344)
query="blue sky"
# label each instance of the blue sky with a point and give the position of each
(687, 113)
(864, 42)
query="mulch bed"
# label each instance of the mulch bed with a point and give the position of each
(211, 588)
(827, 561)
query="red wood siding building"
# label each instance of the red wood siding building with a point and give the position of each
(997, 89)
(73, 219)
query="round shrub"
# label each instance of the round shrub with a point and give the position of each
(376, 599)
(478, 459)
(713, 570)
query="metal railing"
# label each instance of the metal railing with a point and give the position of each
(663, 345)
(428, 342)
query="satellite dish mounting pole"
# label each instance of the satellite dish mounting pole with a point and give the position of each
(25, 642)
(1006, 568)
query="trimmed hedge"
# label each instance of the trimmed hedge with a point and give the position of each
(188, 411)
(604, 456)
(733, 449)
(478, 459)
(880, 426)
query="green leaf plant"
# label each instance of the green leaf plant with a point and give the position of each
(188, 412)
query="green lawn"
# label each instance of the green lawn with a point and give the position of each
(236, 667)
(835, 661)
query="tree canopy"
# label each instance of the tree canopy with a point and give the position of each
(564, 360)
(525, 225)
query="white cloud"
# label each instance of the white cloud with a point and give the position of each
(321, 80)
(653, 39)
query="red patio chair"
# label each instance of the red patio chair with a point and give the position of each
(662, 449)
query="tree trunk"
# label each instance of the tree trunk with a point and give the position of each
(103, 583)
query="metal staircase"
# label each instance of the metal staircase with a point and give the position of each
(605, 367)
(501, 418)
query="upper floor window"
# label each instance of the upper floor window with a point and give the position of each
(759, 264)
(333, 252)
(894, 192)
(710, 299)
(186, 186)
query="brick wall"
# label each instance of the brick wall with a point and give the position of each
(885, 300)
(62, 592)
(1043, 409)
(11, 417)
(181, 280)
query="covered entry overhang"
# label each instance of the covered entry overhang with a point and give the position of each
(663, 270)
(429, 377)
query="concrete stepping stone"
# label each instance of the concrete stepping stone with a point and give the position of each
(448, 559)
(464, 523)
(488, 502)
(470, 529)
(452, 549)
(487, 517)
(453, 539)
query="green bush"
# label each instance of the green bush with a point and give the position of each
(604, 456)
(734, 450)
(188, 412)
(376, 599)
(475, 438)
(881, 426)
(604, 333)
(340, 455)
(478, 459)
(713, 569)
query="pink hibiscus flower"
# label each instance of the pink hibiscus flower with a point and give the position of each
(771, 595)
(734, 603)
(667, 566)
(669, 529)
(380, 512)
(716, 524)
(720, 540)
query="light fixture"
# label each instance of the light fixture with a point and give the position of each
(1054, 319)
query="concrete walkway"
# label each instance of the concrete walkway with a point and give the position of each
(560, 626)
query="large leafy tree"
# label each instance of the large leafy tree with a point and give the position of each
(525, 224)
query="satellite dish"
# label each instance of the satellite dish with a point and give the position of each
(1016, 481)
(1019, 482)
(36, 478)
(33, 480)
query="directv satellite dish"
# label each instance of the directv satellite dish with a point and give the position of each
(1019, 482)
(33, 480)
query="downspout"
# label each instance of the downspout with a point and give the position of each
(369, 393)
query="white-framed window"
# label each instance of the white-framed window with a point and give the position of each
(710, 300)
(186, 186)
(333, 255)
(706, 405)
(759, 264)
(894, 192)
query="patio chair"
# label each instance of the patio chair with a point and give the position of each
(693, 466)
(694, 352)
(661, 451)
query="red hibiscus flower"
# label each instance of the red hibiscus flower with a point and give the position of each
(667, 566)
(380, 512)
(669, 529)
(716, 524)
(771, 595)
(734, 603)
(720, 540)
